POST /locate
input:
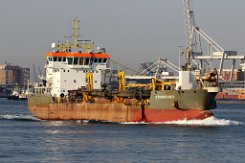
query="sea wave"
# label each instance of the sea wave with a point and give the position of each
(209, 122)
(18, 117)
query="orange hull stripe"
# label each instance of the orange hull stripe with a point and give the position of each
(72, 54)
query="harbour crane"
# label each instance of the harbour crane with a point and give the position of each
(194, 50)
(189, 25)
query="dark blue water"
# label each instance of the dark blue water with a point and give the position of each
(26, 139)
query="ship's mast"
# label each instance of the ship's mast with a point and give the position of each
(75, 30)
(88, 45)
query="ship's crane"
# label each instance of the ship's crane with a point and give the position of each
(194, 50)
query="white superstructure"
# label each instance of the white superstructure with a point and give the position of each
(67, 71)
(67, 65)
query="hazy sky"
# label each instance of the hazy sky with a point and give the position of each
(132, 31)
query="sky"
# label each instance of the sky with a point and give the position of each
(132, 31)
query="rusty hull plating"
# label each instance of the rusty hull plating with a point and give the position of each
(102, 109)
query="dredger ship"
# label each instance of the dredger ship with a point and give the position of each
(76, 87)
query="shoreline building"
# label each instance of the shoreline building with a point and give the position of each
(12, 75)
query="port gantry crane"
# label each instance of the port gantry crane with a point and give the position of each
(194, 50)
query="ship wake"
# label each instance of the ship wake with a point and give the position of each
(208, 122)
(18, 117)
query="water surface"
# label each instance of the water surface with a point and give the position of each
(24, 138)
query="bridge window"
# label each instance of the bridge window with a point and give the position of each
(59, 59)
(100, 59)
(64, 59)
(104, 60)
(86, 61)
(95, 60)
(81, 61)
(75, 61)
(55, 59)
(69, 61)
(91, 60)
(50, 58)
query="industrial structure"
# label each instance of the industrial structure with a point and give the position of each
(196, 55)
(12, 75)
(196, 38)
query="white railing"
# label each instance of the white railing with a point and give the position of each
(42, 90)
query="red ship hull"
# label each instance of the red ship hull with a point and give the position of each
(117, 113)
(159, 115)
